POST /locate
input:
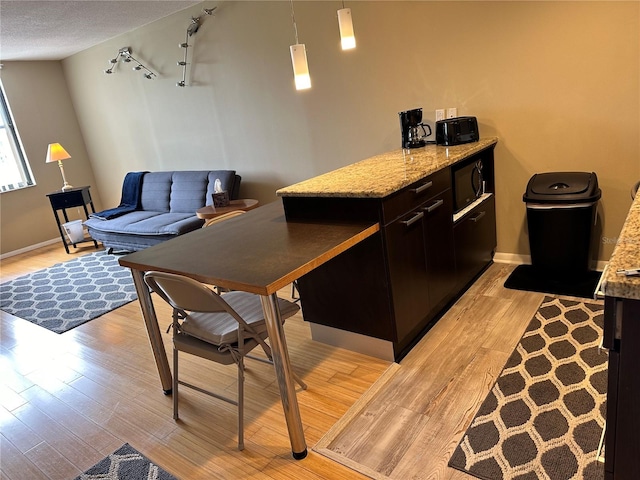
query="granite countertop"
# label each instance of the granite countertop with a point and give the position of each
(382, 175)
(625, 255)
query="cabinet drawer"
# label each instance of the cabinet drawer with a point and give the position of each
(475, 241)
(71, 198)
(412, 196)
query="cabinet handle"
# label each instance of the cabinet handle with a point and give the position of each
(436, 204)
(478, 217)
(422, 188)
(413, 219)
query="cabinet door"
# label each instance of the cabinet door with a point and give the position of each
(475, 241)
(622, 449)
(407, 271)
(440, 256)
(350, 292)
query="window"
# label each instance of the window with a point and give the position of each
(14, 168)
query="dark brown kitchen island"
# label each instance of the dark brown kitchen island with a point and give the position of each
(622, 339)
(383, 294)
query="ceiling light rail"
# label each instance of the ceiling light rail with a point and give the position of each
(193, 27)
(125, 55)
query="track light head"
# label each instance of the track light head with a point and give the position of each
(125, 54)
(183, 45)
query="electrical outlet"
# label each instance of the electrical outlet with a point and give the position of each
(439, 114)
(452, 112)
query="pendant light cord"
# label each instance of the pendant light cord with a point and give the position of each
(293, 19)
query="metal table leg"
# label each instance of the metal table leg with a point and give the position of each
(153, 330)
(284, 375)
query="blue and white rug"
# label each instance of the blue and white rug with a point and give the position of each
(126, 463)
(69, 294)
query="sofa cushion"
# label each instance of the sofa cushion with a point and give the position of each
(188, 191)
(148, 223)
(156, 191)
(229, 181)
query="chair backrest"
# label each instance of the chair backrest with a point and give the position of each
(224, 216)
(185, 293)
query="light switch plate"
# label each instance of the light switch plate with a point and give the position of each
(439, 114)
(452, 112)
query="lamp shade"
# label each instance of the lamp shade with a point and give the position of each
(56, 152)
(300, 66)
(347, 37)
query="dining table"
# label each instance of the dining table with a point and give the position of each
(259, 252)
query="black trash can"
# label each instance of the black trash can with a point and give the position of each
(561, 215)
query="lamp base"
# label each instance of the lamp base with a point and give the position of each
(65, 185)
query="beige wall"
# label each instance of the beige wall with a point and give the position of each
(39, 99)
(557, 82)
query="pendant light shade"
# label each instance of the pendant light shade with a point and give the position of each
(345, 23)
(300, 66)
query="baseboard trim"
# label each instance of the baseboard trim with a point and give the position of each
(374, 347)
(29, 248)
(512, 258)
(516, 259)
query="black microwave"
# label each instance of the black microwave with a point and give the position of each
(468, 184)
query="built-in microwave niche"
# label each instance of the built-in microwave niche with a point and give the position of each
(468, 183)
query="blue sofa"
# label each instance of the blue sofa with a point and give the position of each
(166, 205)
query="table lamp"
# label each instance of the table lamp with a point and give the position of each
(56, 153)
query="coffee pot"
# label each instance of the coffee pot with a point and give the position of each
(414, 132)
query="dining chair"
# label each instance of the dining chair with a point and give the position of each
(221, 328)
(224, 216)
(221, 218)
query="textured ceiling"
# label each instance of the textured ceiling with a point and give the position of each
(56, 29)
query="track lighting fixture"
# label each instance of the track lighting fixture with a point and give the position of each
(125, 54)
(299, 59)
(193, 27)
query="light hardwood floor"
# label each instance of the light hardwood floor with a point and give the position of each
(68, 400)
(411, 425)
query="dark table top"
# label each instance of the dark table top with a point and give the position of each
(258, 252)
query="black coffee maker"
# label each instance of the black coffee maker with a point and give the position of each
(414, 131)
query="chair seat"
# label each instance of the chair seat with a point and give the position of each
(221, 328)
(195, 346)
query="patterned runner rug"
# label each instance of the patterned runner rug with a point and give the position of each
(126, 463)
(545, 415)
(70, 293)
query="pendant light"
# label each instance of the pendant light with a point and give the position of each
(299, 59)
(347, 37)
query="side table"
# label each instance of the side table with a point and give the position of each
(210, 211)
(74, 197)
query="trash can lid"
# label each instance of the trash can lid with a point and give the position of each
(562, 187)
